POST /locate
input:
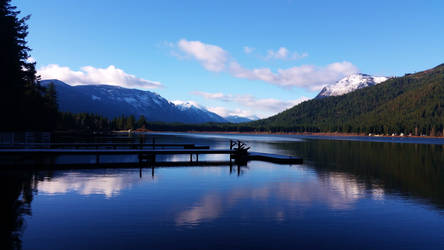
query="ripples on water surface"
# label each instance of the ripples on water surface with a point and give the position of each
(347, 195)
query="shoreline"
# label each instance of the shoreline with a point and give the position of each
(320, 134)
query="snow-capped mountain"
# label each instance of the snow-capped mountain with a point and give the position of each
(112, 101)
(198, 111)
(350, 83)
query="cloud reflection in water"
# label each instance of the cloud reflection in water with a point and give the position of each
(337, 191)
(333, 190)
(108, 185)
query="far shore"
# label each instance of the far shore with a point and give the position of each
(320, 134)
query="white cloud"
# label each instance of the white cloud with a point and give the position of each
(212, 57)
(284, 54)
(248, 50)
(217, 96)
(224, 112)
(265, 106)
(305, 76)
(91, 75)
(296, 55)
(281, 53)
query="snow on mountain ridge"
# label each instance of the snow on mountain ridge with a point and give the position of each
(197, 110)
(184, 105)
(112, 101)
(350, 83)
(188, 105)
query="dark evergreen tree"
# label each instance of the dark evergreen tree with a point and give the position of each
(141, 122)
(130, 122)
(22, 104)
(51, 96)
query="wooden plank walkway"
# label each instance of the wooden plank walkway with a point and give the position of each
(104, 145)
(146, 152)
(130, 165)
(43, 151)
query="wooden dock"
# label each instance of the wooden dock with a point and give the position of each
(103, 145)
(146, 153)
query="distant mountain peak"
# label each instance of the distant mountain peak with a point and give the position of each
(350, 83)
(187, 104)
(112, 101)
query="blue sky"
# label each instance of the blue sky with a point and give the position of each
(234, 57)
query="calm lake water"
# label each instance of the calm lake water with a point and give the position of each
(348, 194)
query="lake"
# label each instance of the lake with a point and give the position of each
(348, 194)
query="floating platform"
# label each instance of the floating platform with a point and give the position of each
(274, 158)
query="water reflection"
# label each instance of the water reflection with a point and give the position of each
(210, 207)
(338, 191)
(227, 136)
(16, 202)
(378, 188)
(88, 183)
(415, 170)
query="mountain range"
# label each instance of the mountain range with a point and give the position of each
(112, 101)
(409, 104)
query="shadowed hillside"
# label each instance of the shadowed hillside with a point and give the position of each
(413, 104)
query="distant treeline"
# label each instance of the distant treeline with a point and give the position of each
(94, 122)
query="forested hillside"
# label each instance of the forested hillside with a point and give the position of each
(413, 103)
